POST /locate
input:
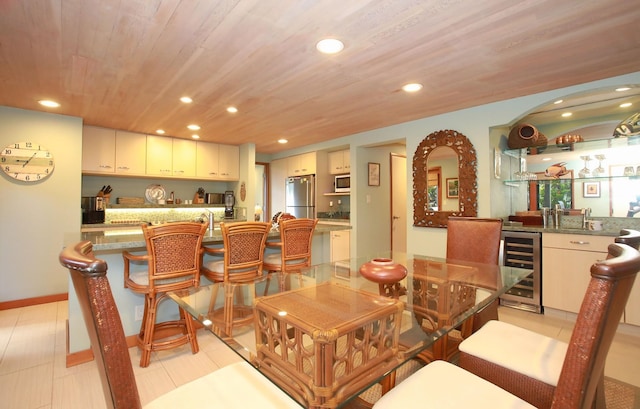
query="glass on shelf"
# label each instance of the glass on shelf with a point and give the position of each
(585, 172)
(628, 171)
(599, 171)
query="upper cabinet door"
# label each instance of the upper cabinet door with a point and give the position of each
(159, 156)
(229, 162)
(304, 164)
(184, 158)
(131, 151)
(339, 162)
(207, 160)
(98, 150)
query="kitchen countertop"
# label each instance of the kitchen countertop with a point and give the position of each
(123, 238)
(610, 233)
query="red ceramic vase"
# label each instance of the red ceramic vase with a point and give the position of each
(383, 271)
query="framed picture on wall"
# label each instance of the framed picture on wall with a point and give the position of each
(591, 189)
(374, 174)
(452, 187)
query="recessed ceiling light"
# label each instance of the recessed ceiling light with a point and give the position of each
(186, 100)
(546, 159)
(413, 87)
(626, 105)
(232, 110)
(194, 127)
(623, 89)
(330, 46)
(194, 136)
(48, 103)
(160, 131)
(282, 140)
(560, 101)
(567, 114)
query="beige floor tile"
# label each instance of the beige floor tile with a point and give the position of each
(32, 344)
(81, 389)
(29, 388)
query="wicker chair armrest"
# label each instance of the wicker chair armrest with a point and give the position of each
(274, 244)
(134, 257)
(217, 251)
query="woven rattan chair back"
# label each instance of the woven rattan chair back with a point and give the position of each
(474, 239)
(596, 324)
(296, 236)
(108, 343)
(175, 254)
(243, 252)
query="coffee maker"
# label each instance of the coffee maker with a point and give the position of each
(229, 202)
(92, 210)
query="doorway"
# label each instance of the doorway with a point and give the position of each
(398, 194)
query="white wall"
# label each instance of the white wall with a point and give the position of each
(35, 216)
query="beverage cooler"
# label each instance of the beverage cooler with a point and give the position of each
(523, 249)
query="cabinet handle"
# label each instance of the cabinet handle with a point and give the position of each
(105, 166)
(578, 242)
(123, 167)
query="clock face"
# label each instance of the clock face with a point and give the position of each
(26, 161)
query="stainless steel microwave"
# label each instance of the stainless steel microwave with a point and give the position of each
(343, 184)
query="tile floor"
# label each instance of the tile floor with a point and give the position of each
(33, 372)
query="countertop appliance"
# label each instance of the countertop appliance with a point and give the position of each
(92, 209)
(229, 202)
(342, 184)
(300, 199)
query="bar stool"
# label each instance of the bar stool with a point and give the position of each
(174, 254)
(242, 260)
(294, 250)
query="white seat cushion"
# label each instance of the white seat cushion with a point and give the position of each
(526, 352)
(215, 266)
(234, 386)
(140, 277)
(441, 384)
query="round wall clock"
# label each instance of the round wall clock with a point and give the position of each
(26, 161)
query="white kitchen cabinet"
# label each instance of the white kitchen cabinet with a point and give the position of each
(632, 311)
(159, 156)
(340, 245)
(131, 149)
(304, 164)
(184, 158)
(207, 160)
(98, 150)
(229, 162)
(339, 162)
(566, 263)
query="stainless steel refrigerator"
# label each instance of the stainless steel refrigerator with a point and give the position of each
(300, 200)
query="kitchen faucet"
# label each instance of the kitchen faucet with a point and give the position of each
(586, 212)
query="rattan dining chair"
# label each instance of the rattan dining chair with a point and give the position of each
(294, 250)
(174, 254)
(469, 239)
(242, 263)
(442, 384)
(496, 354)
(219, 389)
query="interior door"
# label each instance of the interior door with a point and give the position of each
(398, 203)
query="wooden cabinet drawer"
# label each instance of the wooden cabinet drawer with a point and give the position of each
(581, 242)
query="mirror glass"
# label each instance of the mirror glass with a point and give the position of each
(443, 159)
(444, 179)
(597, 163)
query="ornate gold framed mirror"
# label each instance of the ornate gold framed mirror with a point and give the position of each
(463, 163)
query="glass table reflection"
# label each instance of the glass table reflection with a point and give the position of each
(327, 334)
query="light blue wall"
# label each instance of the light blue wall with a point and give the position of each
(34, 216)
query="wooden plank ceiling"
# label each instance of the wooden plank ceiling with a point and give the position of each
(124, 64)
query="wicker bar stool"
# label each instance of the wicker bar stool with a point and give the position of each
(174, 254)
(242, 259)
(294, 250)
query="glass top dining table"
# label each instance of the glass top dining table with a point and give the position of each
(327, 335)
